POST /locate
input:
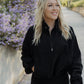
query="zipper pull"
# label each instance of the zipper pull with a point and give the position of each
(52, 49)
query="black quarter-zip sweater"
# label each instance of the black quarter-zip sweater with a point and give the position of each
(54, 58)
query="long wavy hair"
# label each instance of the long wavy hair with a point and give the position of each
(39, 15)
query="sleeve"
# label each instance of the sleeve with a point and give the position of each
(76, 66)
(26, 58)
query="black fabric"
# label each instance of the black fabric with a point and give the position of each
(53, 58)
(63, 78)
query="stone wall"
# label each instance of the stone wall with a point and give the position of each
(11, 69)
(79, 10)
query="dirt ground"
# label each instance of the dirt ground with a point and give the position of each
(79, 10)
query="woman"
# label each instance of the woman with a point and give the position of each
(50, 50)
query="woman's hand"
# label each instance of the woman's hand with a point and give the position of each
(33, 68)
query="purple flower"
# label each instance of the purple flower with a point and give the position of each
(15, 23)
(3, 43)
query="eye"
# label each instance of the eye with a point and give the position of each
(57, 5)
(49, 5)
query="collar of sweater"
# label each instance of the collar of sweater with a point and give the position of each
(56, 28)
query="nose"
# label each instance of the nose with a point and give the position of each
(55, 7)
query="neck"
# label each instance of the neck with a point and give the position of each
(50, 23)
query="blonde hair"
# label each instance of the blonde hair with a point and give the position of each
(39, 13)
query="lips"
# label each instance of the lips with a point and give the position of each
(54, 13)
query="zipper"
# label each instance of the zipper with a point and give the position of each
(51, 50)
(51, 44)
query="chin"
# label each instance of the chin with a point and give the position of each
(54, 18)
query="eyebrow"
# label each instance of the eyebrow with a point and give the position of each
(52, 3)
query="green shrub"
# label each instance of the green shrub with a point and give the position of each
(75, 0)
(77, 3)
(71, 6)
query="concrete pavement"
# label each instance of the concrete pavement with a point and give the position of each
(77, 22)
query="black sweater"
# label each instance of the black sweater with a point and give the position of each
(53, 56)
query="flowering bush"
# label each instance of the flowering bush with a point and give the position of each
(15, 20)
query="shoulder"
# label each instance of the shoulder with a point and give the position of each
(71, 29)
(30, 30)
(30, 33)
(73, 35)
(72, 32)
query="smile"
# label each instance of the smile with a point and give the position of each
(54, 13)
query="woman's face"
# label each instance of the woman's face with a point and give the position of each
(51, 10)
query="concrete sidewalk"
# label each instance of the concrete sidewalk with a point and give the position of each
(76, 20)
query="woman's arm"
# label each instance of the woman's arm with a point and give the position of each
(76, 67)
(26, 58)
